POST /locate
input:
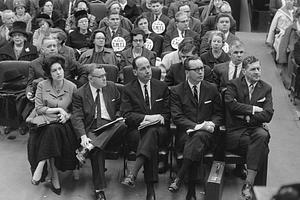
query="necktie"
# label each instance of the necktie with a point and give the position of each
(155, 17)
(146, 96)
(113, 34)
(98, 107)
(235, 72)
(251, 89)
(195, 92)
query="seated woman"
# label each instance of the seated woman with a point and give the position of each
(216, 54)
(81, 5)
(18, 48)
(19, 7)
(56, 141)
(153, 41)
(79, 39)
(45, 23)
(281, 21)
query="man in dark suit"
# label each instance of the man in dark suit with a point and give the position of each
(182, 30)
(248, 107)
(222, 24)
(230, 70)
(173, 8)
(145, 102)
(196, 111)
(156, 14)
(176, 73)
(95, 104)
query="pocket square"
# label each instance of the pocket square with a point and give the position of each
(157, 100)
(206, 102)
(261, 100)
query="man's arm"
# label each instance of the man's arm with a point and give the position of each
(77, 117)
(167, 43)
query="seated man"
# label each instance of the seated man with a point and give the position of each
(8, 18)
(248, 106)
(176, 73)
(222, 24)
(194, 23)
(117, 38)
(174, 37)
(145, 106)
(173, 8)
(158, 22)
(95, 104)
(196, 111)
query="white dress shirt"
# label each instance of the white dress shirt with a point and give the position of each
(232, 69)
(104, 113)
(143, 90)
(198, 88)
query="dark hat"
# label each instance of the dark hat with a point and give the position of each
(18, 3)
(45, 17)
(43, 2)
(19, 27)
(80, 14)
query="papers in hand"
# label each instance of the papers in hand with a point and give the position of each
(145, 124)
(197, 128)
(105, 126)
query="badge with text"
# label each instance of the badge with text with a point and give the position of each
(118, 44)
(148, 44)
(225, 47)
(158, 27)
(175, 42)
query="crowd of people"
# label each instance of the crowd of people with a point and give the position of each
(206, 82)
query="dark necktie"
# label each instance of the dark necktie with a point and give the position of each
(235, 72)
(98, 107)
(146, 96)
(155, 17)
(195, 92)
(113, 34)
(251, 89)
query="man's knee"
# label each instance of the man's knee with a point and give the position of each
(262, 134)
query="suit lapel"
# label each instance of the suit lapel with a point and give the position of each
(153, 94)
(226, 73)
(139, 94)
(245, 91)
(255, 93)
(189, 94)
(202, 92)
(107, 98)
(90, 99)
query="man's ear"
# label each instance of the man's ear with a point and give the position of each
(134, 72)
(243, 71)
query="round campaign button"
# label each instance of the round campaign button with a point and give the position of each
(175, 42)
(158, 27)
(225, 47)
(149, 44)
(118, 44)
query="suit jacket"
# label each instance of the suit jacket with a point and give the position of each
(173, 9)
(124, 23)
(205, 45)
(150, 16)
(121, 32)
(220, 73)
(127, 57)
(29, 52)
(194, 24)
(176, 74)
(131, 11)
(109, 57)
(209, 59)
(238, 105)
(169, 36)
(133, 106)
(84, 106)
(187, 112)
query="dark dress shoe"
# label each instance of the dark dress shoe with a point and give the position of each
(240, 171)
(162, 167)
(100, 195)
(150, 197)
(129, 181)
(55, 190)
(34, 182)
(247, 192)
(174, 186)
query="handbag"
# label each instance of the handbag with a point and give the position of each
(37, 120)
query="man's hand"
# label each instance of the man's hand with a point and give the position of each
(206, 125)
(85, 141)
(257, 109)
(153, 118)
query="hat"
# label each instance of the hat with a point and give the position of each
(109, 3)
(80, 14)
(18, 3)
(19, 27)
(43, 2)
(45, 17)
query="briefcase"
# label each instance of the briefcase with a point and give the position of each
(214, 185)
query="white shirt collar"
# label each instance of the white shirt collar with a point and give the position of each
(191, 86)
(94, 90)
(248, 83)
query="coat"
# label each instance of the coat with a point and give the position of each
(124, 23)
(208, 58)
(28, 53)
(194, 24)
(150, 16)
(109, 57)
(173, 9)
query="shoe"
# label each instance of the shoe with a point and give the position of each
(100, 195)
(55, 190)
(81, 154)
(240, 171)
(247, 192)
(34, 182)
(150, 196)
(162, 167)
(129, 181)
(174, 186)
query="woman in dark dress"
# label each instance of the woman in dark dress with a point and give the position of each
(56, 142)
(216, 54)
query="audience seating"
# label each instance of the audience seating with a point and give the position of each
(111, 72)
(98, 9)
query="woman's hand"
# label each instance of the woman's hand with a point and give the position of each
(63, 116)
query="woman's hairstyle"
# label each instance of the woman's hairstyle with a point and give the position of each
(216, 33)
(86, 3)
(92, 38)
(50, 61)
(138, 31)
(138, 19)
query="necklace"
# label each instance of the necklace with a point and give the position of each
(58, 88)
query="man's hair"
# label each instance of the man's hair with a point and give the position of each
(216, 33)
(181, 5)
(157, 1)
(220, 15)
(60, 34)
(5, 13)
(112, 12)
(249, 60)
(187, 45)
(90, 68)
(179, 14)
(186, 63)
(236, 44)
(47, 38)
(138, 31)
(134, 65)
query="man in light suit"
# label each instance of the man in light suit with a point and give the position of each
(196, 107)
(96, 103)
(146, 101)
(248, 107)
(230, 70)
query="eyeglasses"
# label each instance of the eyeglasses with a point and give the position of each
(83, 22)
(100, 76)
(136, 40)
(184, 21)
(198, 69)
(236, 52)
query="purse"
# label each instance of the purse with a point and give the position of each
(41, 120)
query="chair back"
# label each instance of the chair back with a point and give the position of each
(129, 76)
(98, 9)
(111, 72)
